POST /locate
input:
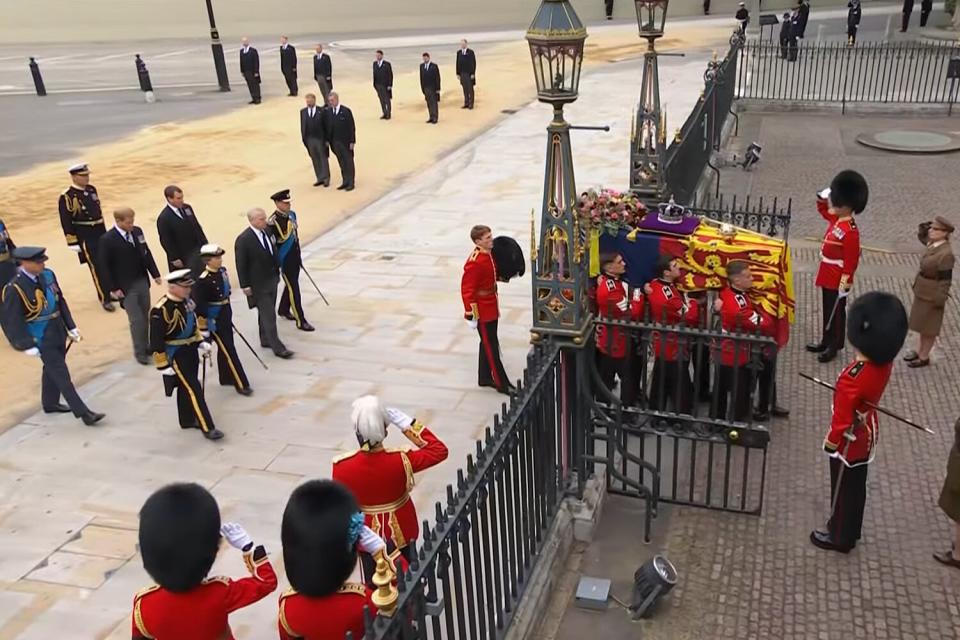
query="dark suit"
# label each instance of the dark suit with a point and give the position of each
(128, 267)
(430, 86)
(181, 237)
(323, 74)
(383, 83)
(803, 15)
(926, 6)
(250, 70)
(8, 266)
(314, 135)
(466, 71)
(341, 133)
(258, 269)
(288, 66)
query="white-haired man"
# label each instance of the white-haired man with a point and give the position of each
(381, 479)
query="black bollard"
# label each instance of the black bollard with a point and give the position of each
(37, 78)
(143, 75)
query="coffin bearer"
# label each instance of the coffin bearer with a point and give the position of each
(931, 288)
(288, 64)
(671, 368)
(430, 87)
(283, 227)
(181, 235)
(381, 479)
(323, 72)
(127, 265)
(313, 132)
(180, 534)
(617, 348)
(877, 327)
(8, 266)
(467, 72)
(481, 310)
(250, 69)
(211, 294)
(383, 83)
(839, 256)
(177, 345)
(82, 222)
(37, 322)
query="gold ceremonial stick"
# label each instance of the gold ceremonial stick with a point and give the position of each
(863, 246)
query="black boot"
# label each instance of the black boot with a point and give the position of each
(816, 347)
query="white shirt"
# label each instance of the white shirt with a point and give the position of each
(336, 110)
(245, 49)
(28, 274)
(463, 52)
(126, 235)
(176, 210)
(310, 111)
(262, 238)
(426, 65)
(283, 47)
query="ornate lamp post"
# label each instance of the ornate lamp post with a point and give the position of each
(218, 61)
(560, 308)
(649, 138)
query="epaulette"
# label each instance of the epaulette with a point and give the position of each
(353, 587)
(204, 274)
(286, 594)
(856, 369)
(162, 301)
(611, 285)
(64, 192)
(145, 591)
(344, 456)
(221, 579)
(473, 256)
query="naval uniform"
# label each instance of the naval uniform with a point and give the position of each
(325, 617)
(174, 340)
(211, 294)
(8, 267)
(35, 314)
(283, 227)
(616, 347)
(671, 371)
(839, 257)
(82, 222)
(734, 376)
(478, 289)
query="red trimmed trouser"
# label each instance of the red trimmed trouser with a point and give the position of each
(490, 372)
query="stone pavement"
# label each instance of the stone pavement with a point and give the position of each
(750, 577)
(68, 563)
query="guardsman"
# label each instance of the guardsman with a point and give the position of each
(854, 12)
(737, 315)
(37, 322)
(8, 266)
(481, 310)
(839, 256)
(617, 350)
(176, 344)
(180, 533)
(381, 479)
(671, 368)
(878, 328)
(283, 225)
(82, 222)
(211, 294)
(322, 532)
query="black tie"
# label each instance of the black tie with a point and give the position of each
(266, 245)
(128, 236)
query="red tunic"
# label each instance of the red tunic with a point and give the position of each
(840, 251)
(381, 480)
(860, 381)
(612, 292)
(669, 306)
(201, 613)
(327, 617)
(478, 287)
(738, 315)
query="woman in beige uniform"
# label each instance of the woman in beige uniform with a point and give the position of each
(931, 288)
(950, 502)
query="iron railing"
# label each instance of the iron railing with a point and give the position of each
(768, 217)
(473, 565)
(831, 72)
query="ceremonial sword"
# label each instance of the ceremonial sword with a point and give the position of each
(310, 278)
(255, 355)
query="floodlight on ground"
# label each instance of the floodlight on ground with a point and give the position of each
(651, 582)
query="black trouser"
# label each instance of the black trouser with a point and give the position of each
(55, 379)
(136, 302)
(846, 521)
(320, 156)
(290, 75)
(851, 34)
(253, 84)
(783, 47)
(433, 105)
(368, 566)
(792, 49)
(383, 94)
(670, 382)
(490, 371)
(325, 89)
(834, 335)
(626, 368)
(905, 19)
(89, 240)
(290, 302)
(191, 403)
(701, 370)
(735, 382)
(345, 160)
(925, 9)
(228, 360)
(767, 383)
(608, 6)
(706, 7)
(265, 299)
(466, 81)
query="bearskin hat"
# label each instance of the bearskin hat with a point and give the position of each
(849, 189)
(319, 552)
(179, 535)
(508, 257)
(877, 326)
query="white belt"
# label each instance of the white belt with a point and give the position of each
(834, 261)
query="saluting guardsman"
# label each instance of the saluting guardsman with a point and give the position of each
(180, 534)
(82, 220)
(283, 227)
(37, 322)
(617, 349)
(381, 479)
(878, 327)
(839, 256)
(322, 533)
(176, 344)
(8, 266)
(211, 294)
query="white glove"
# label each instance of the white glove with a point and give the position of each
(74, 247)
(843, 293)
(472, 323)
(33, 352)
(637, 294)
(824, 194)
(370, 542)
(168, 371)
(74, 334)
(236, 535)
(399, 418)
(205, 334)
(623, 305)
(205, 348)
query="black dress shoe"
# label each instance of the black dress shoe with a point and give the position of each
(822, 540)
(91, 418)
(326, 184)
(430, 121)
(317, 184)
(252, 102)
(306, 326)
(287, 316)
(108, 306)
(387, 118)
(144, 360)
(213, 434)
(827, 355)
(760, 416)
(349, 188)
(341, 187)
(780, 412)
(264, 345)
(816, 347)
(246, 391)
(57, 408)
(383, 117)
(466, 106)
(286, 354)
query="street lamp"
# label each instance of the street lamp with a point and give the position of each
(560, 308)
(649, 138)
(218, 62)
